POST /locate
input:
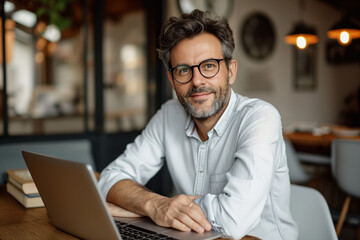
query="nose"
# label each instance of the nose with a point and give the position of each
(197, 78)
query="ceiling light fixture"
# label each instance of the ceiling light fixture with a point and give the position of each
(301, 35)
(344, 31)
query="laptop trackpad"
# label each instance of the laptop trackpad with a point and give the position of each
(150, 225)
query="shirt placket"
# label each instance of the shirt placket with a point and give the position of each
(201, 170)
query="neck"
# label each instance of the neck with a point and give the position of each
(204, 125)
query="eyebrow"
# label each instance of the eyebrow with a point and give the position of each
(184, 64)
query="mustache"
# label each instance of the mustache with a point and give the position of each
(200, 90)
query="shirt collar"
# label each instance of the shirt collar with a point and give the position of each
(221, 124)
(190, 126)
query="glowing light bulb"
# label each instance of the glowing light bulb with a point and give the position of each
(344, 38)
(301, 42)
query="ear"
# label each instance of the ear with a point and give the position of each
(170, 79)
(232, 71)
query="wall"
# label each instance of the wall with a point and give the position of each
(321, 105)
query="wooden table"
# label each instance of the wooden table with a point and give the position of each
(320, 144)
(17, 222)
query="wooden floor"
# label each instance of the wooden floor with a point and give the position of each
(324, 182)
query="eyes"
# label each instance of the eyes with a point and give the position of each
(182, 70)
(208, 65)
(208, 68)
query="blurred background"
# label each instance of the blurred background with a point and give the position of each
(88, 69)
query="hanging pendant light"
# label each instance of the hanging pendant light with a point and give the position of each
(301, 36)
(344, 31)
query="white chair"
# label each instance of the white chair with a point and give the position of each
(311, 213)
(314, 158)
(345, 166)
(296, 171)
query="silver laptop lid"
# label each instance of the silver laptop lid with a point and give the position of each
(71, 196)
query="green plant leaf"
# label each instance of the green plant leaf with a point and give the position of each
(53, 9)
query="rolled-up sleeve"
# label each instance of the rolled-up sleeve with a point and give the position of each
(237, 210)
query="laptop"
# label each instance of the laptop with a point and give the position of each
(75, 205)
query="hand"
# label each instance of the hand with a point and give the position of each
(179, 212)
(117, 211)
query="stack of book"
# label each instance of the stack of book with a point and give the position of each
(22, 187)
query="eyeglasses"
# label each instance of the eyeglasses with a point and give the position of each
(207, 68)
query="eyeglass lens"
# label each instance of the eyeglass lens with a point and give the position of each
(208, 68)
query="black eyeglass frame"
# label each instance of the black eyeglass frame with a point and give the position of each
(198, 66)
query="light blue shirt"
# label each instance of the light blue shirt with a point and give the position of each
(240, 171)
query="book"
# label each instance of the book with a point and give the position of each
(22, 179)
(27, 200)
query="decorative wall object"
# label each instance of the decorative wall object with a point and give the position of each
(302, 35)
(257, 36)
(340, 54)
(304, 78)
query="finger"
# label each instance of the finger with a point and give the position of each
(191, 204)
(189, 222)
(197, 207)
(195, 210)
(196, 213)
(193, 197)
(180, 226)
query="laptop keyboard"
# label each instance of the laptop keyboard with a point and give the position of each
(132, 232)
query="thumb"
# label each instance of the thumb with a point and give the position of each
(193, 197)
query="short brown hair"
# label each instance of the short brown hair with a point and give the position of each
(192, 24)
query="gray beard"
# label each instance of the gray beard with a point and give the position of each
(216, 106)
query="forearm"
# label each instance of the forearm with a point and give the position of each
(179, 212)
(133, 197)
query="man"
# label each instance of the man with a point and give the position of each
(225, 152)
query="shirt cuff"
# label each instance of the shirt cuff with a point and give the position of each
(207, 200)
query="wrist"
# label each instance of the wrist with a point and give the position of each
(150, 204)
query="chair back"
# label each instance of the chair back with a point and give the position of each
(296, 171)
(345, 165)
(311, 213)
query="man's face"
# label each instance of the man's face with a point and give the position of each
(202, 97)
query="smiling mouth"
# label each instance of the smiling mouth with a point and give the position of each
(200, 95)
